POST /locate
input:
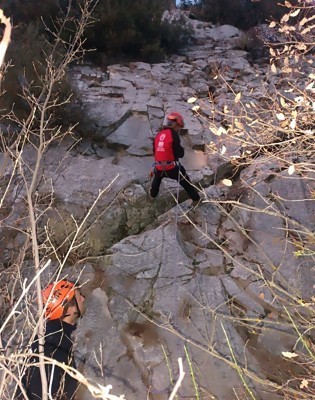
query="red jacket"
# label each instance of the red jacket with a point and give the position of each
(167, 149)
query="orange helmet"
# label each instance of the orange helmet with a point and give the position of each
(175, 116)
(56, 296)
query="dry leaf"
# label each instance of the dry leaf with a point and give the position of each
(237, 97)
(191, 100)
(218, 132)
(215, 131)
(221, 130)
(307, 30)
(286, 70)
(272, 24)
(285, 18)
(291, 170)
(288, 354)
(239, 125)
(300, 46)
(282, 102)
(195, 108)
(280, 117)
(303, 21)
(295, 13)
(299, 99)
(261, 296)
(223, 150)
(293, 124)
(273, 68)
(227, 182)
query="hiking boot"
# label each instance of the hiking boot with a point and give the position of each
(151, 199)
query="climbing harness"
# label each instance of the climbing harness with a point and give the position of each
(164, 164)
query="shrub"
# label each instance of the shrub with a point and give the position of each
(152, 52)
(26, 11)
(174, 35)
(243, 14)
(134, 30)
(27, 66)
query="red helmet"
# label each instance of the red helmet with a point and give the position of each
(175, 116)
(56, 296)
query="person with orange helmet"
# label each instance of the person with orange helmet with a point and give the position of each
(63, 306)
(167, 150)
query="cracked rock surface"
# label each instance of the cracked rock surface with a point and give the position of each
(198, 274)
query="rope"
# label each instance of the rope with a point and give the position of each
(177, 197)
(175, 284)
(198, 275)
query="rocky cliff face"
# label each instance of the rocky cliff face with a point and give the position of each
(213, 280)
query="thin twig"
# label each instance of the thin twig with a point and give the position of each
(180, 379)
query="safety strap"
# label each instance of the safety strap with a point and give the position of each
(164, 163)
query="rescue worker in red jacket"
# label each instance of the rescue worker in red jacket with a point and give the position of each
(167, 150)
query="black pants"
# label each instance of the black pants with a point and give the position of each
(178, 172)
